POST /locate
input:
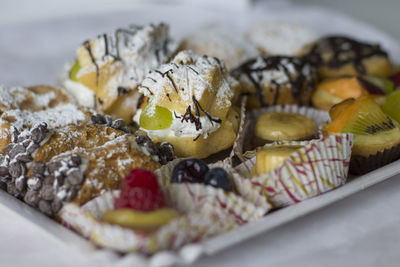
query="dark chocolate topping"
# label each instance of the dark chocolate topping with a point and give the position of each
(336, 51)
(300, 77)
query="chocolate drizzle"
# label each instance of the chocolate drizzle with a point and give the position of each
(86, 44)
(337, 51)
(195, 118)
(300, 77)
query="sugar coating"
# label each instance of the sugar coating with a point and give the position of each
(13, 97)
(192, 73)
(281, 38)
(54, 117)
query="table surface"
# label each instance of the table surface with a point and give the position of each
(361, 230)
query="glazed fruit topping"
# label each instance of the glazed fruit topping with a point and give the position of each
(189, 170)
(395, 78)
(140, 191)
(376, 85)
(196, 171)
(218, 178)
(155, 118)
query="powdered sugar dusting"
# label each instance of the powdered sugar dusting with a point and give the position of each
(54, 117)
(188, 75)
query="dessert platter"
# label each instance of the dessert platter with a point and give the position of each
(169, 146)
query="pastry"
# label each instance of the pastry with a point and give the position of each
(22, 108)
(49, 167)
(278, 126)
(276, 80)
(189, 105)
(375, 133)
(213, 41)
(269, 158)
(336, 56)
(141, 205)
(109, 68)
(280, 38)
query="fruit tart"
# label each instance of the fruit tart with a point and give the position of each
(109, 68)
(189, 104)
(376, 135)
(276, 80)
(334, 90)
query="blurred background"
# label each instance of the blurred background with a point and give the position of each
(381, 14)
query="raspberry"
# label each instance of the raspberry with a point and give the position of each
(140, 191)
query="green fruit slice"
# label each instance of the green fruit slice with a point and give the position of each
(392, 105)
(368, 119)
(155, 118)
(74, 71)
(384, 84)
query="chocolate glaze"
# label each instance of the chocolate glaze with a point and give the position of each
(86, 44)
(343, 50)
(298, 81)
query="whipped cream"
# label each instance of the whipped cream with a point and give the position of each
(181, 128)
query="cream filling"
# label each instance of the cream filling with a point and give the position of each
(83, 95)
(181, 128)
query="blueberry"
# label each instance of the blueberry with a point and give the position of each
(218, 178)
(189, 170)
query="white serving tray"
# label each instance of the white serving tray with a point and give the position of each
(52, 54)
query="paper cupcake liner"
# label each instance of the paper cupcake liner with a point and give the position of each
(319, 166)
(206, 211)
(320, 117)
(362, 165)
(242, 186)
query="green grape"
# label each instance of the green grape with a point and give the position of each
(74, 70)
(157, 119)
(392, 105)
(384, 84)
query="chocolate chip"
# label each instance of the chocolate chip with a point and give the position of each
(38, 134)
(75, 161)
(14, 134)
(34, 183)
(74, 176)
(45, 207)
(21, 138)
(20, 184)
(56, 205)
(98, 119)
(48, 180)
(16, 169)
(54, 166)
(12, 190)
(32, 198)
(24, 157)
(141, 139)
(166, 152)
(3, 171)
(71, 193)
(32, 148)
(109, 120)
(17, 149)
(47, 192)
(26, 142)
(38, 167)
(118, 124)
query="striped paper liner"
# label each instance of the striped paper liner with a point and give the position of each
(320, 117)
(321, 165)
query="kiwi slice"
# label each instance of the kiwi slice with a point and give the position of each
(368, 118)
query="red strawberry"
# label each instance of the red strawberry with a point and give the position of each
(140, 191)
